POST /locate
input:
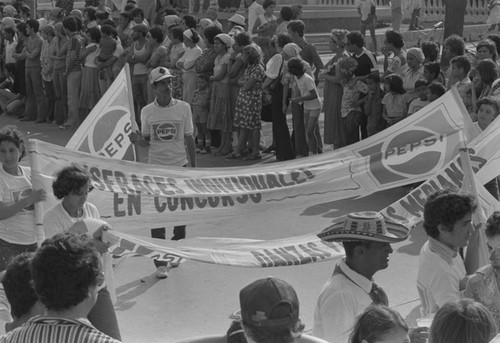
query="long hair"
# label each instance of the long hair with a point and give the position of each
(375, 322)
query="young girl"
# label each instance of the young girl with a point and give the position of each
(380, 324)
(394, 101)
(219, 116)
(200, 106)
(17, 198)
(309, 97)
(249, 104)
(90, 92)
(432, 72)
(372, 105)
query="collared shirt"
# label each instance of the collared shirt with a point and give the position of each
(366, 63)
(440, 270)
(343, 298)
(56, 330)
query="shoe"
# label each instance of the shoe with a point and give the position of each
(161, 272)
(198, 149)
(40, 122)
(268, 149)
(252, 157)
(233, 156)
(204, 151)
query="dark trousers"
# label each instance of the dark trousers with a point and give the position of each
(281, 134)
(48, 89)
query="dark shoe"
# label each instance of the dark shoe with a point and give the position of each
(269, 149)
(41, 122)
(252, 157)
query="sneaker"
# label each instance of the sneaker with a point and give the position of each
(161, 272)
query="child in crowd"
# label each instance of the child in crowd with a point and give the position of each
(372, 105)
(138, 17)
(309, 97)
(460, 68)
(394, 101)
(200, 106)
(379, 324)
(366, 9)
(107, 46)
(487, 111)
(432, 72)
(421, 101)
(435, 91)
(351, 99)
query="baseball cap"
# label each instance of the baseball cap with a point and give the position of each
(269, 302)
(159, 74)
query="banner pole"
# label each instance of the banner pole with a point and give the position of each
(130, 95)
(36, 184)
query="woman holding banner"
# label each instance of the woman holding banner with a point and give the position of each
(72, 185)
(17, 198)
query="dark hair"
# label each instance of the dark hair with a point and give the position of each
(455, 44)
(296, 67)
(374, 77)
(33, 24)
(488, 101)
(10, 133)
(436, 88)
(94, 33)
(21, 27)
(10, 67)
(210, 33)
(109, 22)
(280, 334)
(434, 68)
(446, 207)
(204, 76)
(496, 40)
(490, 45)
(69, 23)
(464, 321)
(137, 11)
(286, 13)
(254, 55)
(190, 21)
(242, 39)
(129, 8)
(156, 33)
(9, 30)
(102, 15)
(351, 245)
(63, 270)
(296, 10)
(487, 71)
(109, 30)
(355, 38)
(25, 10)
(420, 83)
(268, 3)
(375, 322)
(395, 38)
(461, 62)
(395, 83)
(79, 24)
(177, 33)
(283, 39)
(297, 26)
(69, 180)
(493, 224)
(170, 11)
(195, 36)
(430, 50)
(91, 12)
(18, 286)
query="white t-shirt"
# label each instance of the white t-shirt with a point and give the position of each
(57, 219)
(254, 11)
(167, 127)
(20, 228)
(305, 85)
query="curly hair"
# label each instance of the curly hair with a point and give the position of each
(156, 33)
(63, 270)
(375, 322)
(455, 44)
(490, 45)
(446, 207)
(268, 3)
(210, 33)
(493, 225)
(254, 55)
(283, 39)
(177, 33)
(242, 39)
(395, 38)
(10, 133)
(286, 13)
(94, 33)
(430, 50)
(70, 180)
(356, 38)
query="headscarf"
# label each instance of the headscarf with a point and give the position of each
(9, 11)
(417, 53)
(8, 22)
(205, 22)
(225, 39)
(292, 50)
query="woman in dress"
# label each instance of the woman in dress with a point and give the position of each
(187, 63)
(72, 185)
(176, 50)
(334, 131)
(17, 198)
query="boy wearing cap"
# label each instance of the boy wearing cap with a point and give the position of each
(270, 311)
(167, 126)
(367, 238)
(441, 271)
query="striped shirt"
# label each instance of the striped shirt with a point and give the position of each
(76, 43)
(56, 330)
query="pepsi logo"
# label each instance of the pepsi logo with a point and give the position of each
(166, 131)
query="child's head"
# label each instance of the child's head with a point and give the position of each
(203, 81)
(373, 82)
(430, 50)
(379, 324)
(93, 34)
(434, 91)
(10, 69)
(138, 15)
(486, 49)
(421, 89)
(487, 111)
(394, 83)
(431, 71)
(460, 67)
(296, 67)
(10, 135)
(109, 31)
(347, 66)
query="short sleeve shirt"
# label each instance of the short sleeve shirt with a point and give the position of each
(395, 105)
(306, 85)
(366, 63)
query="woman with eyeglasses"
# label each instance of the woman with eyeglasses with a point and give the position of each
(72, 185)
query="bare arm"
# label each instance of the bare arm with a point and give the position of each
(8, 211)
(191, 150)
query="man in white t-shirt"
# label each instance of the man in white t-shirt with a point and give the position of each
(441, 271)
(167, 128)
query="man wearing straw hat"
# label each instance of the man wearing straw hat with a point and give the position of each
(367, 238)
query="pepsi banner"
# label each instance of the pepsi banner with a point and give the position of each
(136, 195)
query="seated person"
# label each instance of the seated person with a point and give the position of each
(18, 286)
(11, 103)
(67, 273)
